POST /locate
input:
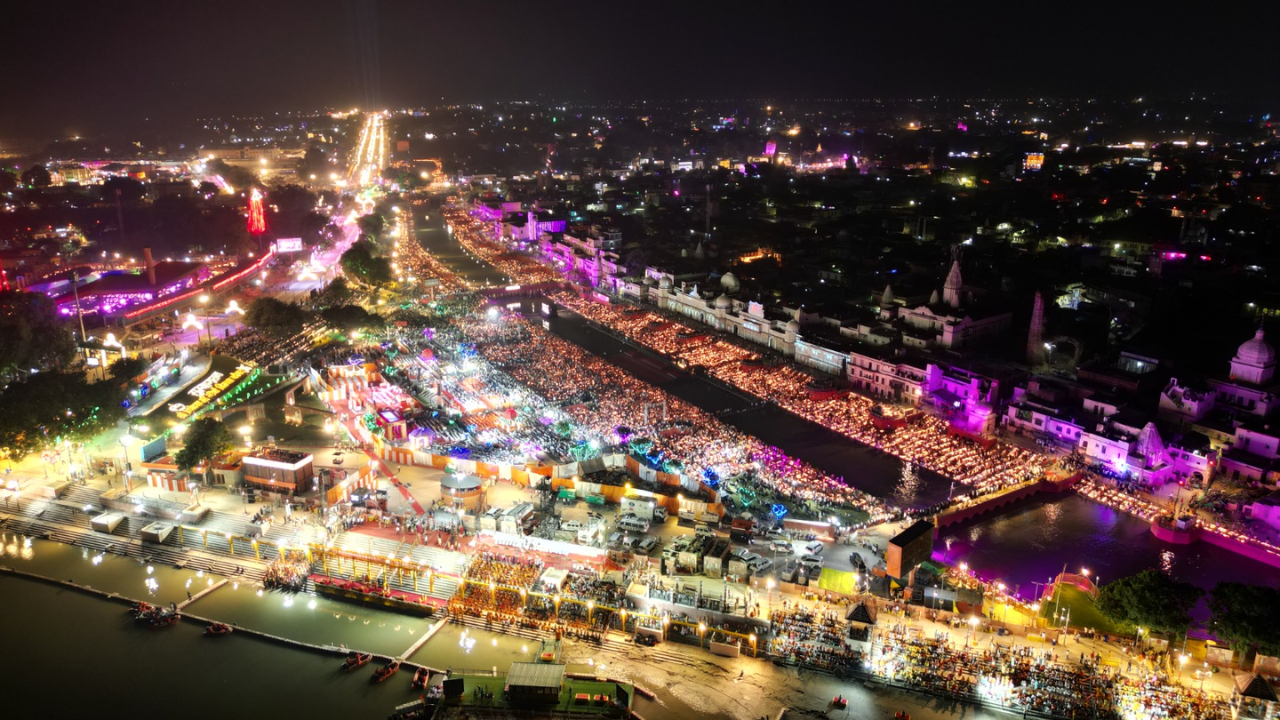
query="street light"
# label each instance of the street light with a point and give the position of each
(973, 624)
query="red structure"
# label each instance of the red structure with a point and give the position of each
(257, 219)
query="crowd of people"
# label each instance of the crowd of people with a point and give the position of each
(807, 636)
(923, 441)
(413, 261)
(502, 568)
(562, 373)
(1031, 679)
(472, 234)
(287, 572)
(251, 346)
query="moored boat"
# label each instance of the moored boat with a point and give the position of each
(355, 660)
(217, 629)
(420, 677)
(165, 619)
(386, 671)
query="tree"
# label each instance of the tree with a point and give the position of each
(50, 407)
(1244, 615)
(31, 334)
(36, 176)
(8, 183)
(361, 262)
(274, 318)
(203, 440)
(126, 369)
(636, 261)
(335, 293)
(314, 162)
(131, 191)
(238, 178)
(1150, 599)
(351, 317)
(371, 224)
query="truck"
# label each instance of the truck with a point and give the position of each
(707, 517)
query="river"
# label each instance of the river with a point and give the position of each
(1033, 541)
(49, 628)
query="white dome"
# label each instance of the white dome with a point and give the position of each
(729, 282)
(665, 283)
(723, 302)
(793, 326)
(648, 280)
(1256, 352)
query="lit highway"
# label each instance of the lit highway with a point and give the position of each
(370, 155)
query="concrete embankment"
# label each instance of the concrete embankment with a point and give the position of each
(116, 597)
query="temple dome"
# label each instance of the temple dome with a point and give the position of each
(1256, 352)
(729, 282)
(723, 302)
(793, 326)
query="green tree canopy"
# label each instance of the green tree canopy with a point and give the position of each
(1149, 599)
(8, 183)
(33, 335)
(126, 369)
(335, 293)
(36, 176)
(351, 317)
(1245, 616)
(274, 318)
(203, 440)
(361, 262)
(371, 224)
(51, 406)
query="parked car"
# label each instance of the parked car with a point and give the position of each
(647, 545)
(760, 564)
(739, 553)
(782, 547)
(811, 562)
(572, 526)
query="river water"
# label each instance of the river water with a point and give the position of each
(71, 653)
(1031, 542)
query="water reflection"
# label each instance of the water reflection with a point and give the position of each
(1028, 545)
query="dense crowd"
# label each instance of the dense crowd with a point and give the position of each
(251, 346)
(413, 261)
(562, 373)
(1026, 678)
(471, 234)
(924, 441)
(811, 637)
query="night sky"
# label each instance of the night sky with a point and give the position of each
(76, 67)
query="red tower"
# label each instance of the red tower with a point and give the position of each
(257, 219)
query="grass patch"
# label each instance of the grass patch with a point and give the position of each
(1083, 611)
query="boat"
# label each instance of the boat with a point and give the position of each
(355, 660)
(217, 629)
(386, 671)
(420, 677)
(840, 702)
(548, 657)
(165, 620)
(141, 607)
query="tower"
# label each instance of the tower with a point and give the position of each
(1035, 336)
(951, 288)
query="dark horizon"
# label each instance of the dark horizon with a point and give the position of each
(81, 67)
